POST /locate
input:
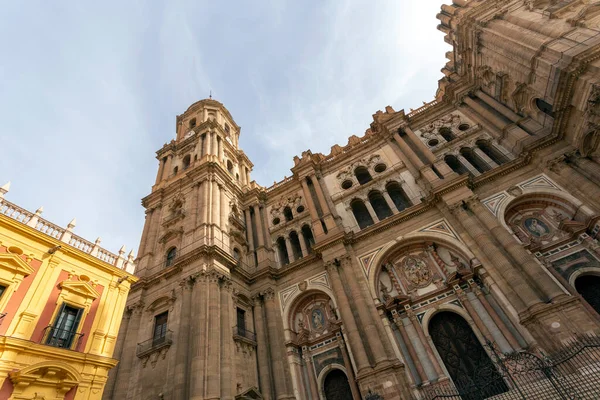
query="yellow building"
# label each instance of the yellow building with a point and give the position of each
(61, 302)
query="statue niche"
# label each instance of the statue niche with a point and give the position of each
(313, 317)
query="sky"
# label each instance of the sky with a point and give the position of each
(89, 91)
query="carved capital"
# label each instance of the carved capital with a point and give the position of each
(268, 294)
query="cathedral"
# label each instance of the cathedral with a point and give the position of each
(409, 258)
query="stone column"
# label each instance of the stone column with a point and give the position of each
(586, 167)
(312, 379)
(208, 144)
(314, 215)
(249, 230)
(182, 349)
(109, 388)
(369, 328)
(389, 202)
(496, 105)
(121, 387)
(425, 151)
(514, 343)
(414, 161)
(525, 260)
(205, 202)
(290, 250)
(199, 339)
(265, 221)
(259, 231)
(356, 344)
(351, 378)
(168, 171)
(262, 346)
(425, 342)
(524, 296)
(485, 113)
(215, 144)
(279, 359)
(216, 204)
(572, 180)
(213, 367)
(411, 349)
(227, 346)
(468, 165)
(224, 212)
(462, 296)
(302, 244)
(371, 211)
(161, 169)
(484, 157)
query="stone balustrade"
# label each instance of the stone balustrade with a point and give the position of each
(65, 235)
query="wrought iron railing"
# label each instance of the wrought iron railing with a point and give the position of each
(153, 344)
(62, 338)
(243, 332)
(2, 315)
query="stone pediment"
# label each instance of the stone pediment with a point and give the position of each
(14, 263)
(83, 289)
(249, 394)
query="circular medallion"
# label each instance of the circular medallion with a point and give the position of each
(416, 271)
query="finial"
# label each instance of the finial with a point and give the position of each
(39, 211)
(210, 95)
(130, 256)
(4, 189)
(72, 223)
(122, 250)
(97, 242)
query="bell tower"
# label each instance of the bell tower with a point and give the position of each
(201, 175)
(178, 339)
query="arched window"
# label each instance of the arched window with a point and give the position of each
(309, 240)
(398, 196)
(380, 206)
(186, 162)
(474, 160)
(447, 134)
(295, 242)
(282, 251)
(171, 254)
(456, 165)
(336, 386)
(363, 175)
(361, 213)
(491, 151)
(230, 167)
(287, 213)
(544, 107)
(192, 123)
(236, 254)
(175, 170)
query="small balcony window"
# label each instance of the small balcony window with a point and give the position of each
(63, 333)
(160, 328)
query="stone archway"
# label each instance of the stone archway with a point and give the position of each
(467, 362)
(336, 386)
(588, 286)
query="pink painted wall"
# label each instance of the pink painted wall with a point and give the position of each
(70, 394)
(17, 297)
(6, 389)
(49, 308)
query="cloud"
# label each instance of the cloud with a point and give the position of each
(89, 91)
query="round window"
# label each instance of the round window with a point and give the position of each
(347, 184)
(463, 127)
(276, 221)
(299, 209)
(433, 142)
(380, 167)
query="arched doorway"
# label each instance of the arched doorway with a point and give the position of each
(469, 366)
(336, 386)
(588, 286)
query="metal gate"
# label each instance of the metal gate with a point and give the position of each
(572, 373)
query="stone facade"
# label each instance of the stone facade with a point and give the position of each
(482, 204)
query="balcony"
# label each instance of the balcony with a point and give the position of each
(155, 344)
(61, 338)
(243, 334)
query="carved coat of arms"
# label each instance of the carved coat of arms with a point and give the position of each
(416, 271)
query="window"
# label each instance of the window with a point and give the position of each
(363, 218)
(175, 170)
(544, 107)
(309, 240)
(363, 175)
(455, 164)
(398, 196)
(192, 123)
(241, 321)
(171, 254)
(2, 290)
(227, 129)
(230, 167)
(287, 213)
(447, 134)
(474, 160)
(236, 254)
(63, 331)
(380, 206)
(491, 151)
(295, 242)
(282, 250)
(186, 162)
(160, 328)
